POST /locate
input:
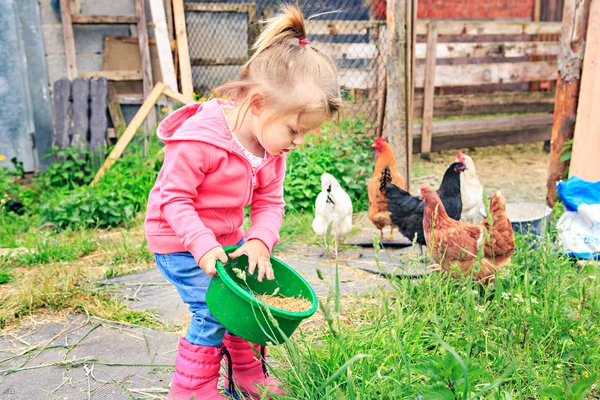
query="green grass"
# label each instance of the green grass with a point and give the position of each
(537, 331)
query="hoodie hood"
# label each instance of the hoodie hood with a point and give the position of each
(202, 122)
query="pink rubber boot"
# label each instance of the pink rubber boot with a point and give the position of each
(248, 368)
(196, 372)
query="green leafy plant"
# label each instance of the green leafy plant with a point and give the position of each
(568, 391)
(342, 150)
(73, 168)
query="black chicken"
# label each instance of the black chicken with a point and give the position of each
(407, 211)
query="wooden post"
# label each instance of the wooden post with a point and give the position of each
(163, 45)
(69, 38)
(428, 90)
(398, 84)
(142, 28)
(115, 111)
(570, 60)
(185, 68)
(129, 133)
(585, 162)
(253, 28)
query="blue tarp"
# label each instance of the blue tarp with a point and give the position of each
(575, 191)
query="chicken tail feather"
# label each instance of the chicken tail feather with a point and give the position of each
(385, 178)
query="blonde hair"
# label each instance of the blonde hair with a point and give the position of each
(294, 77)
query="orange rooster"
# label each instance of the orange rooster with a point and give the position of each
(458, 243)
(383, 173)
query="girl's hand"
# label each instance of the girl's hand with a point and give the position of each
(258, 254)
(209, 260)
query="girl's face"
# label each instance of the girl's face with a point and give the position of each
(280, 134)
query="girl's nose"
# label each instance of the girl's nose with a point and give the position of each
(299, 141)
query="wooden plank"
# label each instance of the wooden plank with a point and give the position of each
(220, 7)
(491, 137)
(86, 19)
(129, 133)
(491, 28)
(81, 112)
(178, 96)
(185, 69)
(147, 81)
(398, 85)
(253, 28)
(219, 61)
(140, 10)
(492, 49)
(341, 27)
(483, 124)
(161, 33)
(61, 95)
(121, 53)
(169, 13)
(481, 74)
(428, 91)
(98, 121)
(497, 103)
(69, 38)
(114, 75)
(573, 36)
(585, 162)
(382, 37)
(114, 110)
(131, 98)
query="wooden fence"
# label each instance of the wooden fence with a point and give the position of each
(464, 68)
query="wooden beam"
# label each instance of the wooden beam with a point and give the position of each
(114, 75)
(491, 137)
(428, 91)
(129, 133)
(585, 162)
(185, 69)
(219, 61)
(178, 96)
(575, 19)
(147, 81)
(85, 19)
(115, 111)
(496, 103)
(69, 38)
(482, 74)
(220, 7)
(398, 85)
(483, 124)
(491, 28)
(492, 49)
(340, 27)
(161, 33)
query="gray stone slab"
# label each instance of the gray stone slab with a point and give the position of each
(365, 232)
(403, 263)
(80, 359)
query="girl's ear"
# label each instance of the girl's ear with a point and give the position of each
(257, 103)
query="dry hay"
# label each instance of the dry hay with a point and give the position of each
(291, 304)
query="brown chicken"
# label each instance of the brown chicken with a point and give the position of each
(383, 173)
(455, 243)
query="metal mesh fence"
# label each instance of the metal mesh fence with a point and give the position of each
(351, 31)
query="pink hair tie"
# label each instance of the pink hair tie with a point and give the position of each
(303, 41)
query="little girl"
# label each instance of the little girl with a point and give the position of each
(220, 157)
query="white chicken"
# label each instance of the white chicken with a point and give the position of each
(471, 191)
(333, 208)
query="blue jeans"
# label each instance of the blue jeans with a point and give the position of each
(192, 282)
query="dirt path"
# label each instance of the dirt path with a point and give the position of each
(519, 171)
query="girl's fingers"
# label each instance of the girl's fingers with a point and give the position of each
(262, 269)
(270, 273)
(210, 268)
(252, 266)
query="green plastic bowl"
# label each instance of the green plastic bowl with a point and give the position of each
(231, 303)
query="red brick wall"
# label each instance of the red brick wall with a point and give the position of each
(467, 9)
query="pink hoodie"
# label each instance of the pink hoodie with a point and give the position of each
(198, 200)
